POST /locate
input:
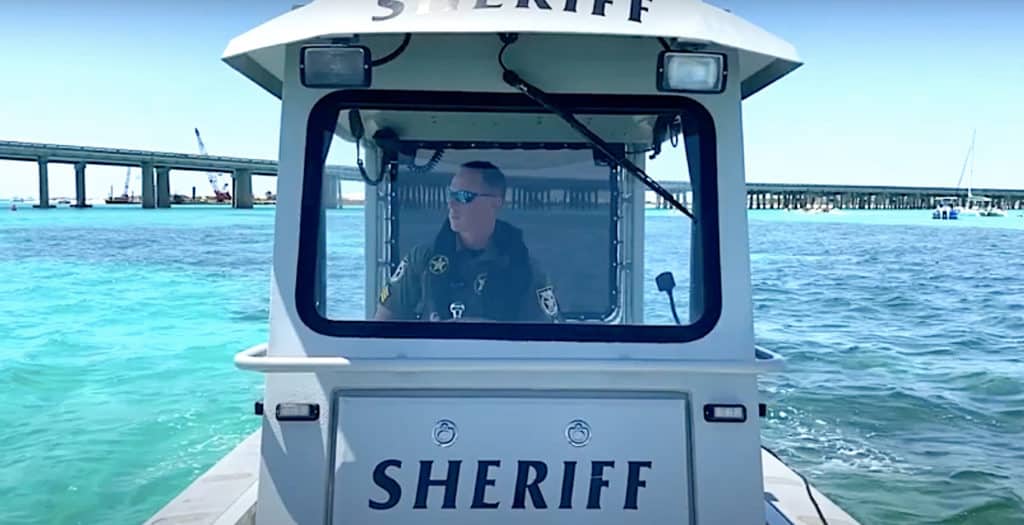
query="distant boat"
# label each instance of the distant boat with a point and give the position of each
(946, 208)
(121, 200)
(124, 198)
(976, 204)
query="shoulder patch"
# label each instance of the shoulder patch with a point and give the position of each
(400, 271)
(548, 302)
(385, 293)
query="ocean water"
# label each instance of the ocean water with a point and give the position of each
(903, 399)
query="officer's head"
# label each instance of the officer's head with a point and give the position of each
(476, 193)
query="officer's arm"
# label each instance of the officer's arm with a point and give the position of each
(400, 295)
(383, 314)
(541, 303)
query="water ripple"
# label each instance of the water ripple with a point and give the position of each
(903, 399)
(904, 395)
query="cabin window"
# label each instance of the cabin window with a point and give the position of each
(483, 216)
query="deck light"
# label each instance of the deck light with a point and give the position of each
(328, 66)
(691, 72)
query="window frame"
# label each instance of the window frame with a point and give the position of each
(324, 116)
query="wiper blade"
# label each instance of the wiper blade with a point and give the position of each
(541, 98)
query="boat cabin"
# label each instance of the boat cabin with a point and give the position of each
(511, 275)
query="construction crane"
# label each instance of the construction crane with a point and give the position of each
(127, 180)
(221, 194)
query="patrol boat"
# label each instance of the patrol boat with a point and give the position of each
(634, 398)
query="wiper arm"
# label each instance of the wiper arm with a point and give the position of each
(541, 98)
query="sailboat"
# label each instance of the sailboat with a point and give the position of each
(972, 203)
(948, 207)
(976, 204)
(986, 208)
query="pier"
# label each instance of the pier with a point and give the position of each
(157, 168)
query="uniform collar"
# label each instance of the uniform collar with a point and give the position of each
(489, 253)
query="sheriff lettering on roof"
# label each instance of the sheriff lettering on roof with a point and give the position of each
(593, 7)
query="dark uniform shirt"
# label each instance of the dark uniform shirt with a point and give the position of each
(407, 295)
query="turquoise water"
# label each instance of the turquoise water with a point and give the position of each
(904, 397)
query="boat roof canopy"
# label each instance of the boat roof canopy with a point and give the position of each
(259, 54)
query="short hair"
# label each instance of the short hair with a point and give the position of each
(492, 176)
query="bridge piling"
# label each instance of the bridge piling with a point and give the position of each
(44, 184)
(80, 186)
(241, 197)
(163, 187)
(148, 189)
(330, 193)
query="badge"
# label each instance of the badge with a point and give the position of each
(479, 283)
(548, 303)
(438, 264)
(400, 271)
(385, 293)
(457, 310)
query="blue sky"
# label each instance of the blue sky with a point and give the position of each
(889, 92)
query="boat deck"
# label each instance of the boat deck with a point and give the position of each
(786, 499)
(226, 494)
(223, 495)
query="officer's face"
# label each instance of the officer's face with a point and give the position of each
(479, 214)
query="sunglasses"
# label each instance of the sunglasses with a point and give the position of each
(466, 196)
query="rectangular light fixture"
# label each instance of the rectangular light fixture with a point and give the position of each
(326, 66)
(684, 72)
(297, 412)
(725, 413)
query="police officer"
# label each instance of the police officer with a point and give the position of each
(477, 268)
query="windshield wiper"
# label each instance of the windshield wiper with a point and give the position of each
(541, 98)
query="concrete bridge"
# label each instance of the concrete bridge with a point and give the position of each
(799, 196)
(156, 191)
(764, 196)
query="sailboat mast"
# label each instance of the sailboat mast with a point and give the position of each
(970, 178)
(963, 170)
